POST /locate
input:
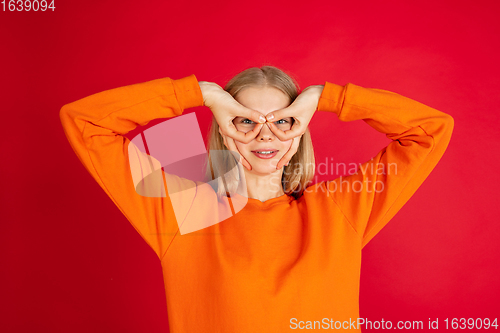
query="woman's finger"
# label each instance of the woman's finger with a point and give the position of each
(289, 154)
(253, 115)
(242, 136)
(289, 111)
(229, 142)
(295, 131)
(242, 160)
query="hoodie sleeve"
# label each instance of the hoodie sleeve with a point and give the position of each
(381, 186)
(95, 126)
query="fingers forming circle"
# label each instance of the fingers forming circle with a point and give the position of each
(289, 154)
(295, 131)
(232, 146)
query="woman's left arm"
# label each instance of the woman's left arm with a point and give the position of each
(420, 136)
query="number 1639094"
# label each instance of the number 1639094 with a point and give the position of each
(27, 5)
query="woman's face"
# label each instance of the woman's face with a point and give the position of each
(264, 100)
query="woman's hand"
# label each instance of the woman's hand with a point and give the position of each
(225, 108)
(229, 143)
(302, 110)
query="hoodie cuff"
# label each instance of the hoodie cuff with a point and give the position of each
(332, 98)
(188, 92)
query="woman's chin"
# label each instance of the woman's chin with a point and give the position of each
(265, 167)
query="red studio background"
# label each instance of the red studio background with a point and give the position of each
(71, 262)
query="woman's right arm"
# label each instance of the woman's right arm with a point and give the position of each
(380, 187)
(95, 126)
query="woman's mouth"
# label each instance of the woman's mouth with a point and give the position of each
(265, 154)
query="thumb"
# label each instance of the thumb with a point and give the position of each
(279, 114)
(253, 115)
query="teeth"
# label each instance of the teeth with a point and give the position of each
(265, 152)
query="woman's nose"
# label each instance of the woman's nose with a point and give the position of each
(265, 134)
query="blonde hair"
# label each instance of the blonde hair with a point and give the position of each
(223, 167)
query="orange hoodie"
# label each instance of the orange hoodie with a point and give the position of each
(276, 265)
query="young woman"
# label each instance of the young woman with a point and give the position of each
(289, 255)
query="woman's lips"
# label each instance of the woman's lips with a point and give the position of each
(265, 156)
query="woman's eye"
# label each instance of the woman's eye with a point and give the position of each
(247, 121)
(285, 121)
